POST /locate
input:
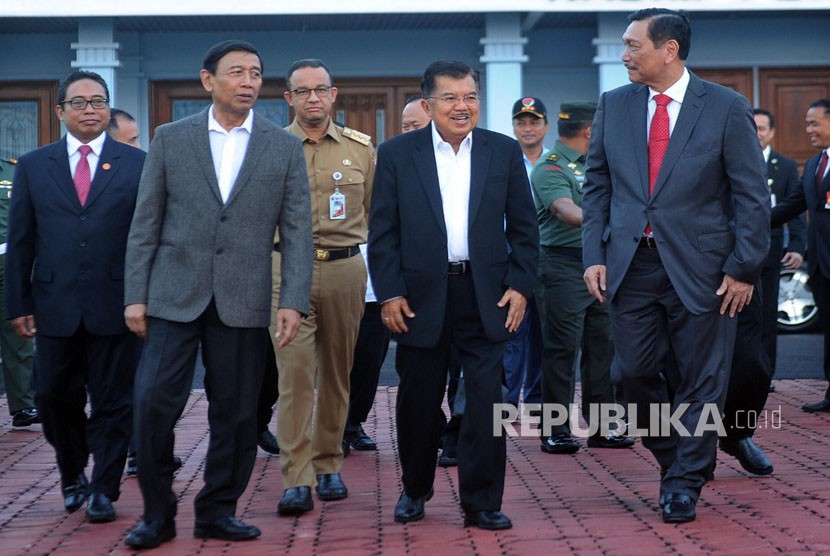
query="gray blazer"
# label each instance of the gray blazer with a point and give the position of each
(186, 247)
(710, 207)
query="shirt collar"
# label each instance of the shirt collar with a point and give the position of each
(332, 131)
(213, 125)
(437, 140)
(767, 152)
(571, 154)
(97, 144)
(677, 91)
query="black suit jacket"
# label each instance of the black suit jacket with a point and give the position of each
(818, 230)
(782, 174)
(408, 235)
(65, 262)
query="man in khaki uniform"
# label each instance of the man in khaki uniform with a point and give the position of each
(341, 164)
(16, 351)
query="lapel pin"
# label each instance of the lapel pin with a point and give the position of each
(106, 166)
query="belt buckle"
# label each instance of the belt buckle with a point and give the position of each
(321, 254)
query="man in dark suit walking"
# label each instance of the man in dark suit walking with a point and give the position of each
(448, 199)
(814, 197)
(783, 182)
(69, 218)
(215, 188)
(675, 231)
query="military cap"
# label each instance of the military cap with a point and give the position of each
(529, 105)
(577, 111)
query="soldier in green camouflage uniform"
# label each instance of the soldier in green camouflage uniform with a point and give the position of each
(16, 351)
(574, 320)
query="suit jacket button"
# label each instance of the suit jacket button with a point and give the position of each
(223, 219)
(220, 251)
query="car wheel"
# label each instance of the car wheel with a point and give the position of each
(797, 311)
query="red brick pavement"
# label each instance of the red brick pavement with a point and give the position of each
(595, 502)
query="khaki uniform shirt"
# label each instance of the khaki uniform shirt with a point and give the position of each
(559, 173)
(351, 154)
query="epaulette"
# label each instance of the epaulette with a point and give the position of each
(358, 136)
(552, 157)
(11, 160)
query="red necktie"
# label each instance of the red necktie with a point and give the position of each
(822, 167)
(658, 140)
(82, 174)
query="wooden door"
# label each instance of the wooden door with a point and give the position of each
(787, 92)
(372, 106)
(737, 79)
(27, 117)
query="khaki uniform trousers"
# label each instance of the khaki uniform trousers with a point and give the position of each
(321, 355)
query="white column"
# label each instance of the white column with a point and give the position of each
(97, 51)
(503, 58)
(609, 45)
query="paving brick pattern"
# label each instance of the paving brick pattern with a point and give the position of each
(596, 502)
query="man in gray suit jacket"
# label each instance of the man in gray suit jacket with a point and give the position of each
(676, 230)
(215, 188)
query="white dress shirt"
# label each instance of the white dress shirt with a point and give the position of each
(72, 144)
(454, 181)
(821, 178)
(227, 148)
(677, 92)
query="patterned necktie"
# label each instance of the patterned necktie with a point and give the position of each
(822, 167)
(658, 140)
(82, 174)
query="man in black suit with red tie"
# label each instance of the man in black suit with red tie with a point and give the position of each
(448, 200)
(65, 286)
(814, 197)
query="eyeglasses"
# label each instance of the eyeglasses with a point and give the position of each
(80, 103)
(322, 91)
(450, 100)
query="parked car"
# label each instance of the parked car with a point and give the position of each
(797, 311)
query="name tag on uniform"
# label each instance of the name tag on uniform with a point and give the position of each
(337, 205)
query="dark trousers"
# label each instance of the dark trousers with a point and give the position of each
(270, 392)
(575, 320)
(66, 369)
(423, 373)
(769, 313)
(648, 320)
(369, 354)
(820, 286)
(523, 359)
(751, 374)
(234, 359)
(18, 358)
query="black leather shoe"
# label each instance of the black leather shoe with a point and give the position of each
(268, 442)
(492, 521)
(447, 459)
(562, 443)
(26, 417)
(296, 501)
(226, 529)
(99, 508)
(411, 509)
(771, 388)
(331, 487)
(359, 440)
(677, 508)
(74, 494)
(749, 455)
(823, 405)
(150, 534)
(177, 463)
(610, 441)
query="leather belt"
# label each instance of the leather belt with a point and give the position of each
(458, 267)
(330, 254)
(647, 242)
